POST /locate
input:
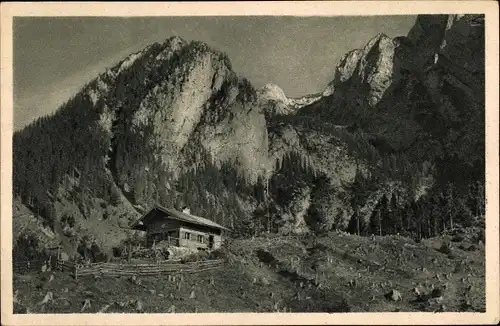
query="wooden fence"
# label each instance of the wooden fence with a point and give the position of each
(22, 267)
(164, 268)
(117, 269)
(37, 265)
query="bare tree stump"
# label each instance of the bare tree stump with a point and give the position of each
(86, 305)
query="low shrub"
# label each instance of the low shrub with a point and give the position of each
(68, 220)
(198, 256)
(27, 247)
(91, 251)
(117, 252)
(217, 254)
(445, 248)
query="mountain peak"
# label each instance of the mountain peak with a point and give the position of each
(272, 92)
(174, 39)
(372, 65)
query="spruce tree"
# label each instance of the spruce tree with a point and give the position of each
(385, 222)
(375, 220)
(358, 195)
(394, 215)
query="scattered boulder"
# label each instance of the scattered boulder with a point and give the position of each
(171, 309)
(394, 295)
(153, 292)
(139, 306)
(15, 299)
(192, 295)
(418, 291)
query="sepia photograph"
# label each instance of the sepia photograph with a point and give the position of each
(249, 163)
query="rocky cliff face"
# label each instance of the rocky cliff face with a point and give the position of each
(403, 90)
(199, 100)
(161, 126)
(372, 69)
(175, 124)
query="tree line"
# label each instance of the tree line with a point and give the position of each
(425, 217)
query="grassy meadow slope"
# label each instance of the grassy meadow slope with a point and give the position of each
(335, 273)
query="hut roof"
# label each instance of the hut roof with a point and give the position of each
(175, 214)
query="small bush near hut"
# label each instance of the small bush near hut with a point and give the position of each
(217, 254)
(198, 256)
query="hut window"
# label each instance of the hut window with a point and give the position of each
(200, 238)
(187, 236)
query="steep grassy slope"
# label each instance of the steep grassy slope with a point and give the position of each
(334, 273)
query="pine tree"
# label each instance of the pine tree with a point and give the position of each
(480, 198)
(385, 222)
(358, 190)
(394, 215)
(375, 220)
(450, 204)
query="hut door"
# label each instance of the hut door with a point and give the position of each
(210, 242)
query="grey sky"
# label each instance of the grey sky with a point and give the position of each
(54, 57)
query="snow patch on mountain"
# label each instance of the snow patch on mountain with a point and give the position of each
(279, 104)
